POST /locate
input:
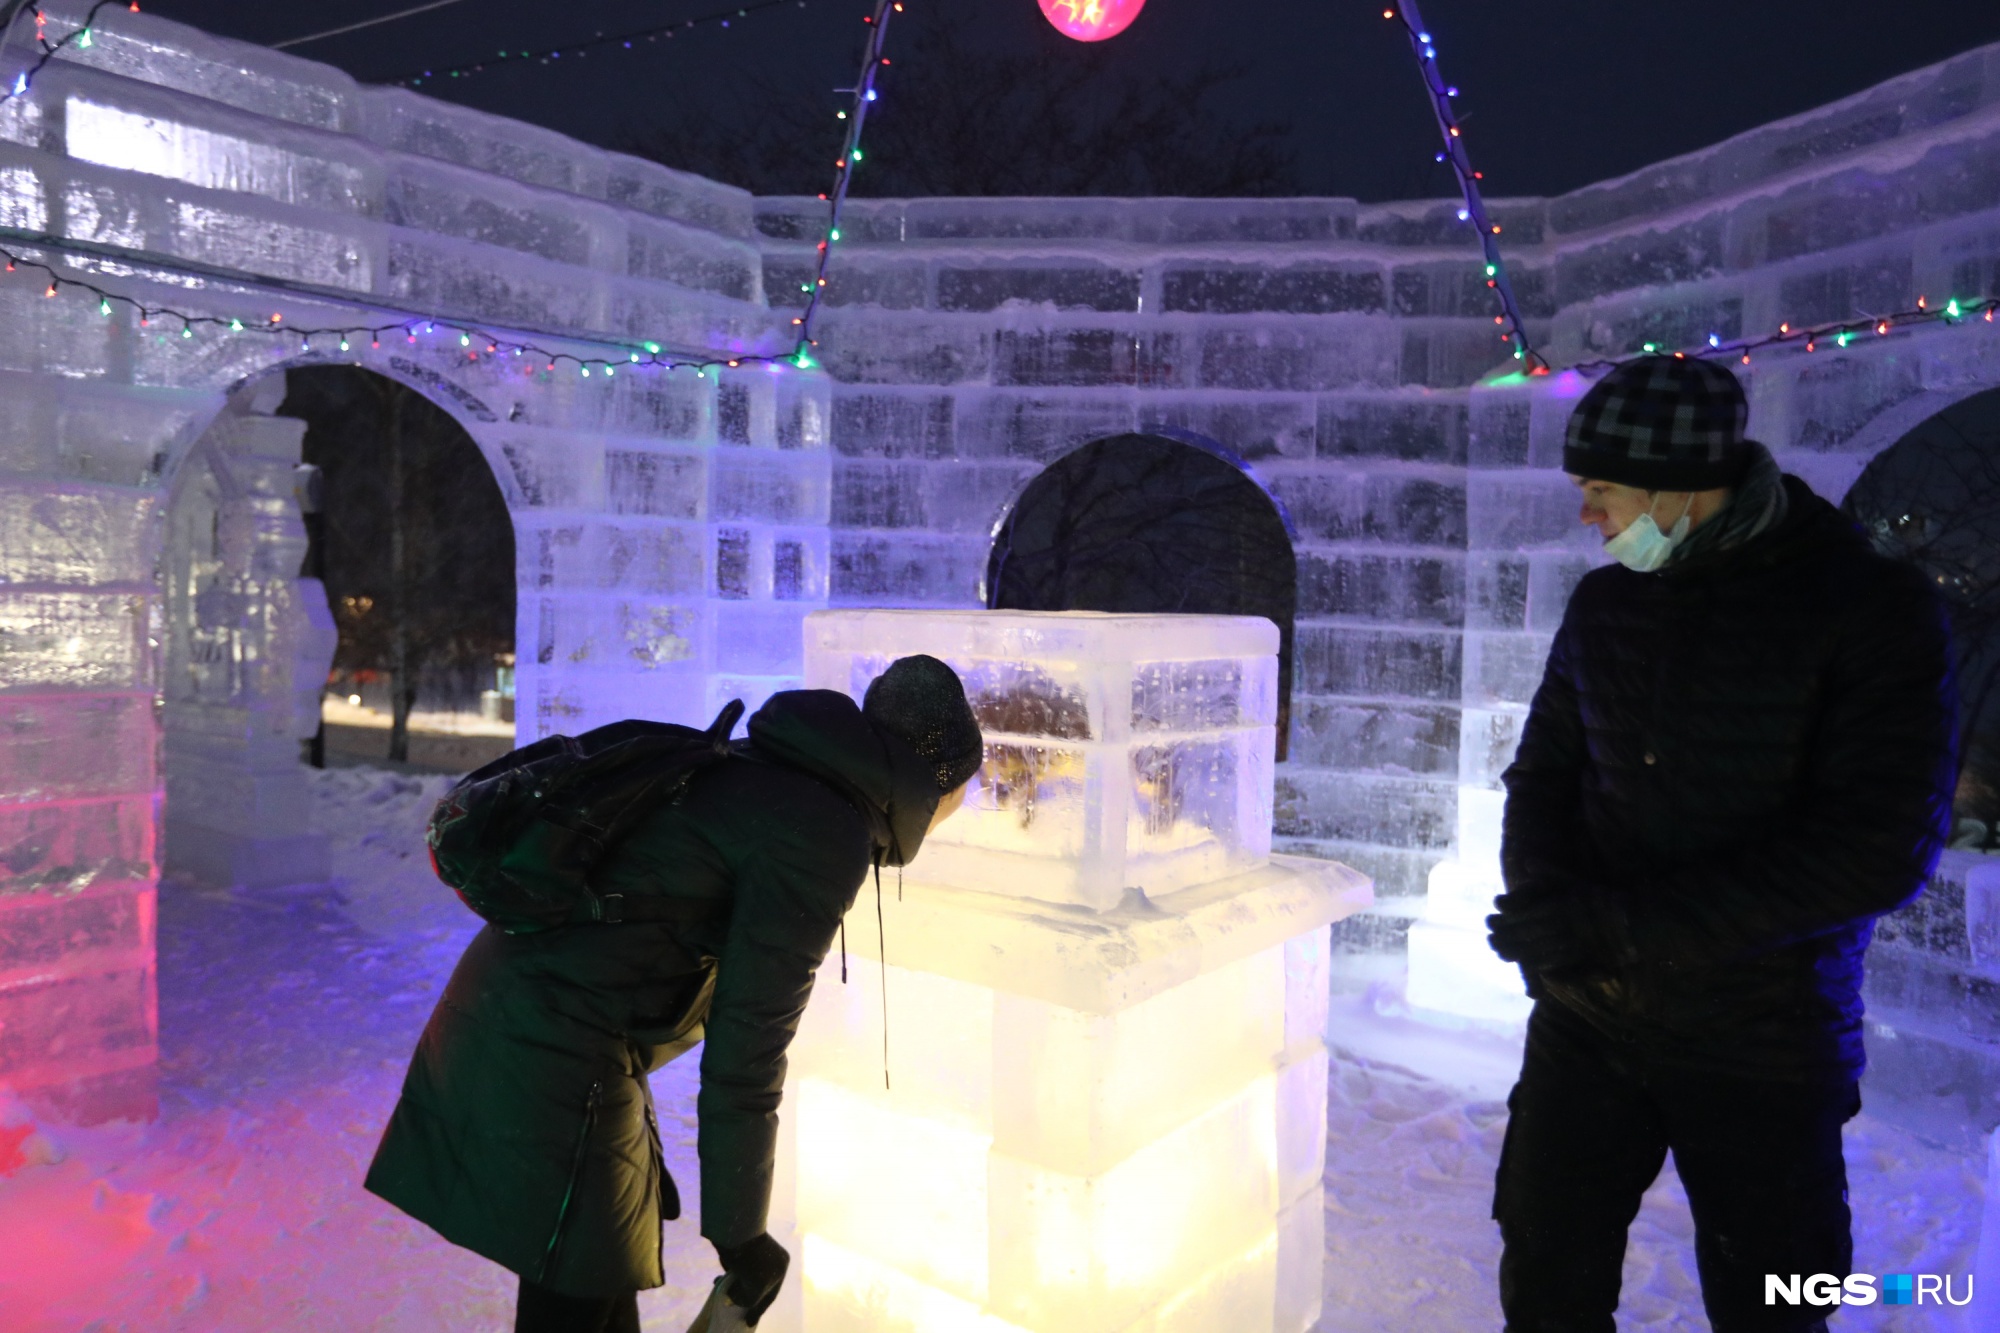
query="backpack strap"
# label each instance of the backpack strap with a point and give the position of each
(613, 909)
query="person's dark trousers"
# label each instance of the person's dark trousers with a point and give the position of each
(1592, 1120)
(539, 1310)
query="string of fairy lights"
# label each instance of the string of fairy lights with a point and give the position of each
(480, 343)
(865, 96)
(1842, 333)
(477, 342)
(79, 37)
(474, 339)
(1514, 328)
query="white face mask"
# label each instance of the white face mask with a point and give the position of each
(1643, 547)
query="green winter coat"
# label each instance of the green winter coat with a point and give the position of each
(526, 1131)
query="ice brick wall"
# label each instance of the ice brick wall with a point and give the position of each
(1335, 346)
(1331, 345)
(671, 528)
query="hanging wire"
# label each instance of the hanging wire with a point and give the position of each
(596, 41)
(364, 23)
(10, 13)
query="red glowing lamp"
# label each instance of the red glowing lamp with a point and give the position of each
(1091, 20)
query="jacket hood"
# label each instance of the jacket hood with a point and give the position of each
(823, 733)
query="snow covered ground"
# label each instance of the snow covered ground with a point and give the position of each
(1416, 1117)
(286, 1020)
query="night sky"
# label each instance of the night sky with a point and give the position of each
(1556, 93)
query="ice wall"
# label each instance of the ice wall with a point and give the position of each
(672, 529)
(1330, 344)
(1334, 345)
(667, 566)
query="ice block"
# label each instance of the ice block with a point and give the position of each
(1453, 970)
(1091, 1117)
(1122, 751)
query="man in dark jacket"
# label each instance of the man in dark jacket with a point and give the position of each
(526, 1131)
(1740, 755)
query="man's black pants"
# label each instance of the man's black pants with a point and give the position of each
(1593, 1119)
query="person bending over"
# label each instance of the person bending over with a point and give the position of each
(1741, 753)
(526, 1131)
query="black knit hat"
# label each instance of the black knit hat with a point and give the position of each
(1661, 423)
(921, 702)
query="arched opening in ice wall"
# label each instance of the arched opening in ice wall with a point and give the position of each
(1147, 523)
(410, 535)
(1933, 498)
(331, 517)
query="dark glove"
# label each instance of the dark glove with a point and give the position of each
(1543, 932)
(756, 1269)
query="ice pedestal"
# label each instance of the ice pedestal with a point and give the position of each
(1453, 970)
(1097, 1117)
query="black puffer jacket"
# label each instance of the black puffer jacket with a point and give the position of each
(526, 1133)
(1736, 766)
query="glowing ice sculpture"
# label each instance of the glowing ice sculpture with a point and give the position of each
(1452, 968)
(1106, 1050)
(1123, 752)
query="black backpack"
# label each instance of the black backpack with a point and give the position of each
(519, 839)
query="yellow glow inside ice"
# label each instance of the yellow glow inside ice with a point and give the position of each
(895, 1184)
(1106, 1105)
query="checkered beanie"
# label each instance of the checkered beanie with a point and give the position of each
(1661, 423)
(921, 702)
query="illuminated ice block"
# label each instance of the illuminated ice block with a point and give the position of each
(1088, 1120)
(1453, 970)
(1123, 751)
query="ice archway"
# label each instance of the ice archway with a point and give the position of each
(1149, 522)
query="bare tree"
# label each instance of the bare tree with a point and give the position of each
(957, 118)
